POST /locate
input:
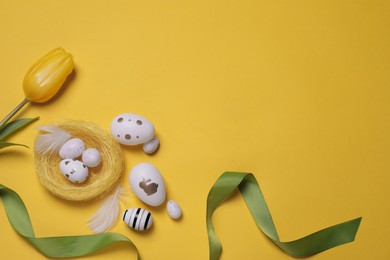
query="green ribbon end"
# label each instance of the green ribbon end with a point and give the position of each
(55, 247)
(250, 190)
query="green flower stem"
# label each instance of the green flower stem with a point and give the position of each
(12, 113)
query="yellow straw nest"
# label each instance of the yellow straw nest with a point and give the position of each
(102, 178)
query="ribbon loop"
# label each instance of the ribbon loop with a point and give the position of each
(55, 247)
(250, 190)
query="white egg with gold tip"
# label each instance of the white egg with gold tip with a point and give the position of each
(74, 170)
(137, 218)
(174, 209)
(147, 184)
(131, 129)
(72, 148)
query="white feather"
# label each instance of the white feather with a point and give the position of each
(107, 215)
(52, 140)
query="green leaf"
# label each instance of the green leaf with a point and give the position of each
(14, 126)
(6, 144)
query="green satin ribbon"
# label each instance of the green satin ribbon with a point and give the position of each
(75, 246)
(54, 247)
(319, 241)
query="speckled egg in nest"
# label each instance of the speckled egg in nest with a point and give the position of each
(102, 178)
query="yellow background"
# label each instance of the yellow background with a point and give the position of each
(296, 92)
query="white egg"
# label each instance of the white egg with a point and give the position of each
(137, 218)
(74, 170)
(174, 209)
(147, 184)
(131, 129)
(91, 157)
(151, 145)
(72, 148)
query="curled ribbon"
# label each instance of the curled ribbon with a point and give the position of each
(314, 243)
(55, 247)
(75, 246)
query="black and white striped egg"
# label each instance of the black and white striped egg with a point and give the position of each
(137, 218)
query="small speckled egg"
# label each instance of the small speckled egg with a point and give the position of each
(137, 218)
(74, 170)
(174, 209)
(72, 148)
(131, 129)
(91, 157)
(151, 146)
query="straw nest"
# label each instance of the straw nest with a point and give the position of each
(102, 178)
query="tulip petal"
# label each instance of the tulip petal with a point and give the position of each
(45, 78)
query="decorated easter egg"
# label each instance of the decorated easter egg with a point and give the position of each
(74, 170)
(91, 157)
(147, 184)
(174, 209)
(72, 148)
(137, 218)
(131, 129)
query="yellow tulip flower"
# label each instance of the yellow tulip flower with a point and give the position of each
(46, 77)
(43, 80)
